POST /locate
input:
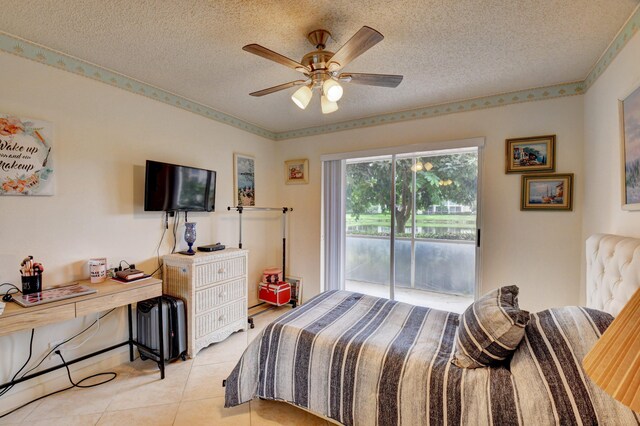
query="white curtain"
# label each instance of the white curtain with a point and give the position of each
(333, 220)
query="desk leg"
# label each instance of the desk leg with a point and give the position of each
(161, 339)
(130, 334)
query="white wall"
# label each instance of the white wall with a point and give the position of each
(602, 201)
(538, 251)
(103, 135)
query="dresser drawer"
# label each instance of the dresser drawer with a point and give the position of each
(213, 320)
(211, 297)
(220, 271)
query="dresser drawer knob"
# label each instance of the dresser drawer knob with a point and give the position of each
(221, 318)
(222, 271)
(222, 294)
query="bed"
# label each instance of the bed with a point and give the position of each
(362, 360)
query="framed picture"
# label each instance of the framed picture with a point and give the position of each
(630, 150)
(534, 154)
(26, 163)
(296, 171)
(296, 289)
(244, 182)
(547, 192)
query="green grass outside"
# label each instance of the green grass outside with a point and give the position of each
(433, 220)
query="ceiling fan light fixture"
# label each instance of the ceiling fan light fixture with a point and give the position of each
(302, 97)
(332, 90)
(327, 106)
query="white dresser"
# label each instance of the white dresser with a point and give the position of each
(214, 289)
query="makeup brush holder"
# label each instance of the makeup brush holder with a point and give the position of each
(32, 284)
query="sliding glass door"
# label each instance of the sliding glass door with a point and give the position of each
(411, 222)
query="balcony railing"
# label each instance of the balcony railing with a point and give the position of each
(442, 266)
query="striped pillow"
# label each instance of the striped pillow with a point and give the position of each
(490, 329)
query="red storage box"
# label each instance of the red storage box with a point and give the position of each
(276, 294)
(272, 275)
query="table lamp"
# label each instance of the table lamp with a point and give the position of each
(614, 361)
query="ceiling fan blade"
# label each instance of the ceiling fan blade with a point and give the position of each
(362, 41)
(383, 80)
(278, 88)
(256, 49)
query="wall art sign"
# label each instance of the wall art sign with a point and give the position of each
(26, 166)
(630, 129)
(532, 154)
(244, 183)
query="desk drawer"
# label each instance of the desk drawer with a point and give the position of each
(211, 321)
(99, 304)
(220, 271)
(211, 297)
(36, 318)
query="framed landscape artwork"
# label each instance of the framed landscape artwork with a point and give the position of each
(630, 129)
(296, 171)
(547, 192)
(244, 182)
(532, 154)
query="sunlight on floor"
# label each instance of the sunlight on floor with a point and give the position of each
(441, 301)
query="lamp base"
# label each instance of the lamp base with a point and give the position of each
(187, 253)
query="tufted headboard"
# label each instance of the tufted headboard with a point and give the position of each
(613, 271)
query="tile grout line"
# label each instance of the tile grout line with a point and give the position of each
(175, 416)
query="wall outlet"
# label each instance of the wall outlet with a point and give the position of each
(52, 345)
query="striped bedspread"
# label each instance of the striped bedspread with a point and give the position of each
(362, 360)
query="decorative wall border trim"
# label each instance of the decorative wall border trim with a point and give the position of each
(628, 30)
(29, 50)
(548, 92)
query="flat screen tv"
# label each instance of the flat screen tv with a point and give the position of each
(169, 187)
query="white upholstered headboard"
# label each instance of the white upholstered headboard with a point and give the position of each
(613, 271)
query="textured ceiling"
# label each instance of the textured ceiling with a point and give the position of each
(446, 50)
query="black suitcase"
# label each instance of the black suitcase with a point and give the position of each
(174, 325)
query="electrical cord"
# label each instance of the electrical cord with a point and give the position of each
(73, 384)
(7, 389)
(7, 295)
(79, 345)
(164, 231)
(65, 341)
(176, 225)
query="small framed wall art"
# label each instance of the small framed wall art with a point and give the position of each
(547, 192)
(26, 166)
(244, 182)
(296, 171)
(630, 150)
(533, 154)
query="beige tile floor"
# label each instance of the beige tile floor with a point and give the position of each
(191, 394)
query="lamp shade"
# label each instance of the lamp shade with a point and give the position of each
(332, 90)
(302, 96)
(614, 361)
(327, 106)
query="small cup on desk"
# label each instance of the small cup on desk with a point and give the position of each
(31, 284)
(98, 269)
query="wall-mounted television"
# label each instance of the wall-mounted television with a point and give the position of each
(169, 187)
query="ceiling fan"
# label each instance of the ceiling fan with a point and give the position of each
(322, 68)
